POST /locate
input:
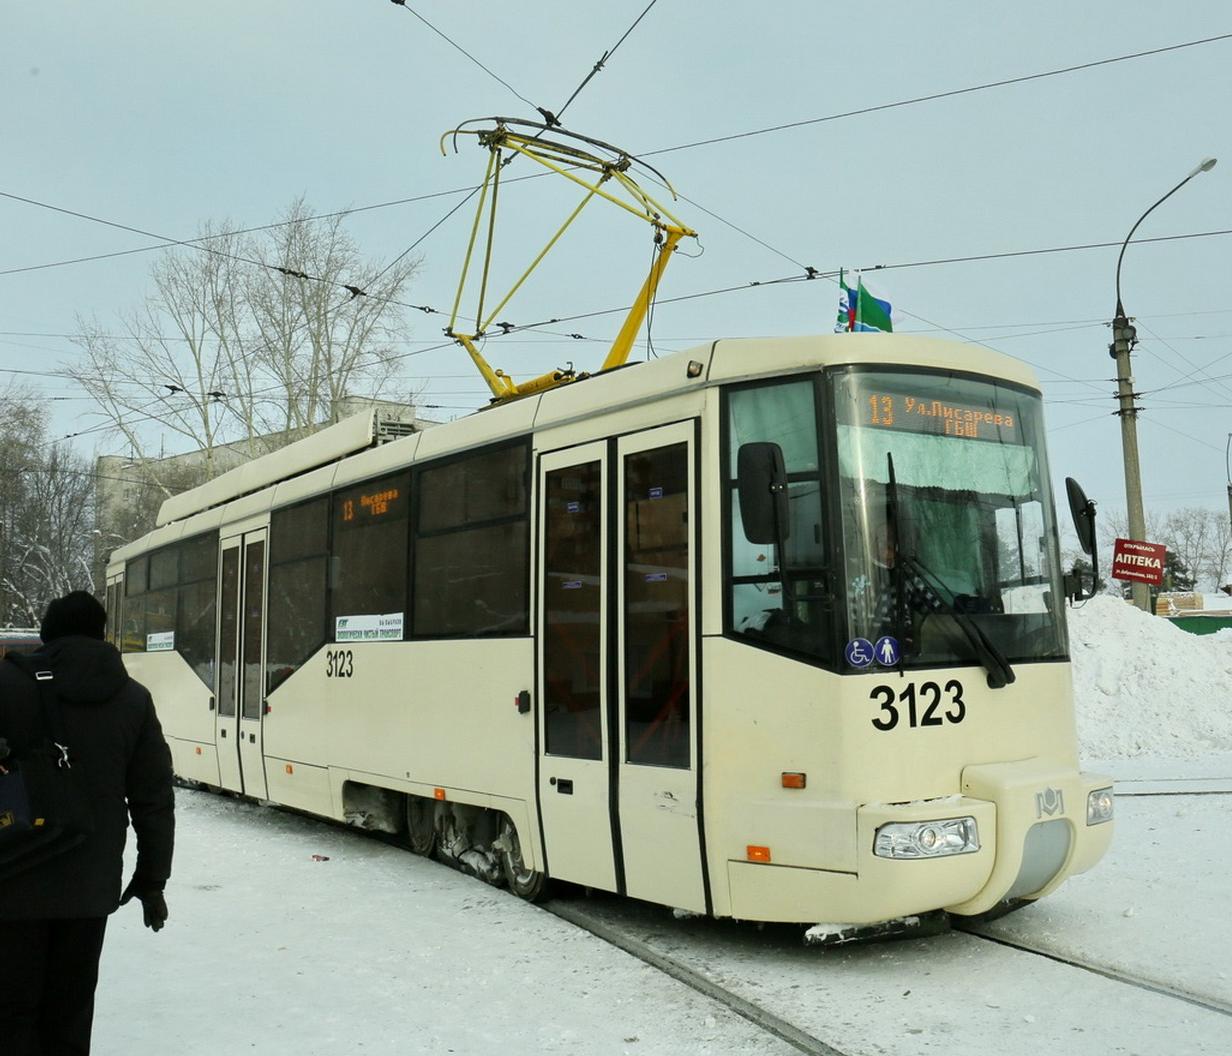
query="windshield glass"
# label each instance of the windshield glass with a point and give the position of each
(965, 535)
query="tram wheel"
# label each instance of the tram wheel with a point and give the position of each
(523, 881)
(421, 825)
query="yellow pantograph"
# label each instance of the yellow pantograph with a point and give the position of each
(590, 171)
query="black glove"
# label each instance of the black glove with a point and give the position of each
(153, 905)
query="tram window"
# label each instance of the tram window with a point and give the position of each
(368, 575)
(135, 576)
(194, 628)
(299, 531)
(298, 558)
(781, 597)
(199, 558)
(296, 617)
(164, 568)
(472, 545)
(481, 487)
(656, 603)
(472, 582)
(228, 649)
(159, 612)
(784, 413)
(572, 607)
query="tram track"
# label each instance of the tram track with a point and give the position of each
(1155, 986)
(761, 1017)
(624, 938)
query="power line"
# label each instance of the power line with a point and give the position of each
(937, 95)
(600, 64)
(167, 243)
(453, 44)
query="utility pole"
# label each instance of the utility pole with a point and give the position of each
(1124, 337)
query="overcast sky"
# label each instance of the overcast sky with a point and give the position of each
(163, 116)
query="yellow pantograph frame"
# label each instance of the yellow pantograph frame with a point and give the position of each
(569, 161)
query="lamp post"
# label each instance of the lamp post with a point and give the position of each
(1124, 337)
(1227, 468)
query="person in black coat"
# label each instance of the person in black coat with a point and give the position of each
(53, 916)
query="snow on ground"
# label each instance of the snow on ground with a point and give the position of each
(373, 950)
(269, 951)
(1145, 688)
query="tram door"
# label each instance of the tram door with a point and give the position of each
(240, 696)
(574, 667)
(618, 731)
(655, 612)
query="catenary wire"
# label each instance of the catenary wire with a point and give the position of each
(932, 97)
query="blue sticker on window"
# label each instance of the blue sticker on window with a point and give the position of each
(573, 507)
(656, 577)
(656, 493)
(887, 652)
(859, 652)
(571, 584)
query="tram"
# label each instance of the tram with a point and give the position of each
(771, 629)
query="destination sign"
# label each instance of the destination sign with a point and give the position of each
(924, 414)
(366, 506)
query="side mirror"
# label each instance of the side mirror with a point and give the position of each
(1082, 510)
(761, 483)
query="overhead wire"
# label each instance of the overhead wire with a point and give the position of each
(933, 96)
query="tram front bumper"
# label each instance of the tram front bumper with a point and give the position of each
(1050, 824)
(1035, 823)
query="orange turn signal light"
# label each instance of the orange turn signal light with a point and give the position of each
(757, 854)
(290, 769)
(439, 793)
(791, 780)
(198, 750)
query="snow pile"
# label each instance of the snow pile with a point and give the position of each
(1143, 687)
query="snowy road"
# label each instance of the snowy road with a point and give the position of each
(374, 950)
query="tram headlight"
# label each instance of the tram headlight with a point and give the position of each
(926, 839)
(1099, 806)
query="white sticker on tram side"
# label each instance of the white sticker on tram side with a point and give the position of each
(160, 642)
(369, 628)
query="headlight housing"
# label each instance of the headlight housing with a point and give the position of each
(1099, 806)
(926, 839)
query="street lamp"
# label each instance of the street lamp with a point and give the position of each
(1227, 468)
(1123, 339)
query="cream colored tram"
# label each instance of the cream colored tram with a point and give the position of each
(632, 633)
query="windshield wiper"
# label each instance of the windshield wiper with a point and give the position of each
(1000, 674)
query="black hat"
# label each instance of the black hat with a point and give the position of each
(77, 613)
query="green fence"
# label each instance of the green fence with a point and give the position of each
(1201, 624)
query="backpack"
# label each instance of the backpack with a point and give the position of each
(44, 810)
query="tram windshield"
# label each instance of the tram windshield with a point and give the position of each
(949, 541)
(912, 505)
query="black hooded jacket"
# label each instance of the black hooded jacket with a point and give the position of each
(115, 738)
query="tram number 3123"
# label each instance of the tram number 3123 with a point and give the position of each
(928, 695)
(339, 663)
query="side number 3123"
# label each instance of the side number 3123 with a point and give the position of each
(920, 704)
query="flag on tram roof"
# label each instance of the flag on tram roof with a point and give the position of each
(859, 310)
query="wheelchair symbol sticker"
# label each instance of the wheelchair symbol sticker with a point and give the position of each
(859, 652)
(887, 651)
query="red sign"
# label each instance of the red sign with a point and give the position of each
(1139, 562)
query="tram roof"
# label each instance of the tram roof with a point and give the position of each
(352, 451)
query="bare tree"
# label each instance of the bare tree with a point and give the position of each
(1219, 550)
(243, 337)
(46, 513)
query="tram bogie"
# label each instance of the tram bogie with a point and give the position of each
(771, 630)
